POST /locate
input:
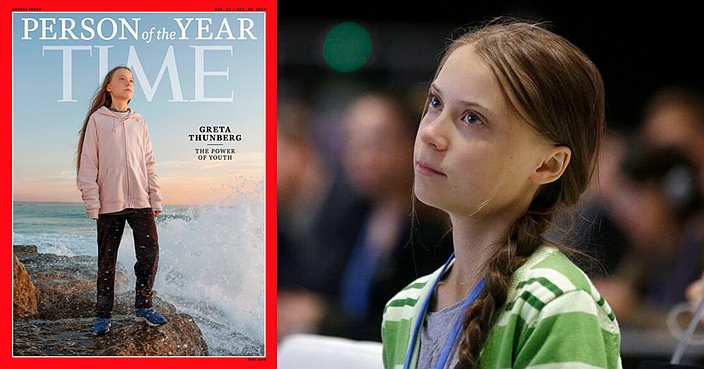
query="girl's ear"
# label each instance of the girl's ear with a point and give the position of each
(553, 166)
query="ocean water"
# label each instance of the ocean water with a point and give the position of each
(211, 260)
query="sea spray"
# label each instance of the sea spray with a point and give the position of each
(212, 266)
(212, 258)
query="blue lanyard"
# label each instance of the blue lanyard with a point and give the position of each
(457, 326)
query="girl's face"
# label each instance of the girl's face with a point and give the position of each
(473, 155)
(121, 85)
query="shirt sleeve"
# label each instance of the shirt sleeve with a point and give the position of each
(571, 331)
(155, 198)
(88, 170)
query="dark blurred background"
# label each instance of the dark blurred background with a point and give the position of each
(330, 54)
(638, 46)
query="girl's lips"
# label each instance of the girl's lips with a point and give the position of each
(426, 170)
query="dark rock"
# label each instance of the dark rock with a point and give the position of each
(24, 250)
(74, 337)
(65, 306)
(67, 284)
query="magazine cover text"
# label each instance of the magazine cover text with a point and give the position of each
(119, 113)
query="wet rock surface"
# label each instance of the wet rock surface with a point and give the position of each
(60, 320)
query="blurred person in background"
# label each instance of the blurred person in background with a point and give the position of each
(674, 117)
(695, 293)
(591, 225)
(301, 178)
(395, 240)
(659, 207)
(642, 216)
(657, 201)
(378, 154)
(318, 217)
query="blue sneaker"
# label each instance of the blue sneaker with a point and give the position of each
(150, 316)
(102, 326)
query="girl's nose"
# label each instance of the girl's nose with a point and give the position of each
(433, 132)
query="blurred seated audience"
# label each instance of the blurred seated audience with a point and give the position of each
(318, 217)
(396, 239)
(659, 208)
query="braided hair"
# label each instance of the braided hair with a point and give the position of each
(556, 89)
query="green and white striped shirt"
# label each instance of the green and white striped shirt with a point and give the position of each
(554, 318)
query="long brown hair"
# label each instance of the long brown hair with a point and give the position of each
(101, 98)
(555, 88)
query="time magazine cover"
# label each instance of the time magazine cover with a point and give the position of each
(201, 81)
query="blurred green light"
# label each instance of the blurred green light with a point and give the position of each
(347, 47)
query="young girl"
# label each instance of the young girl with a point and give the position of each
(510, 134)
(117, 179)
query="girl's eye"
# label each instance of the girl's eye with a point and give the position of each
(435, 102)
(473, 119)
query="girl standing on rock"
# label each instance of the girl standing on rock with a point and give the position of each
(118, 182)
